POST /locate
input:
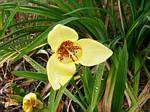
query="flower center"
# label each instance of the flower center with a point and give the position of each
(69, 52)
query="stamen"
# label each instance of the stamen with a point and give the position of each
(69, 52)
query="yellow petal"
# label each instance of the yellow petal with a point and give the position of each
(31, 97)
(29, 101)
(59, 34)
(28, 109)
(59, 73)
(93, 52)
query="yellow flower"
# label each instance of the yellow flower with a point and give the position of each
(68, 51)
(30, 101)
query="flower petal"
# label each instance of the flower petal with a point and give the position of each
(59, 34)
(29, 101)
(59, 73)
(27, 109)
(93, 52)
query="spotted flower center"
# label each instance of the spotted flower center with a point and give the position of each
(69, 52)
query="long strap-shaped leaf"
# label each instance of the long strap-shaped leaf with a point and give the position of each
(96, 88)
(8, 21)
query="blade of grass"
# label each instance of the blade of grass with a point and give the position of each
(130, 92)
(8, 21)
(52, 14)
(63, 5)
(23, 23)
(79, 92)
(96, 88)
(147, 72)
(35, 65)
(87, 81)
(58, 98)
(39, 3)
(70, 95)
(79, 10)
(1, 20)
(89, 3)
(110, 84)
(137, 69)
(31, 75)
(114, 92)
(143, 97)
(121, 80)
(51, 101)
(22, 32)
(141, 35)
(133, 9)
(98, 30)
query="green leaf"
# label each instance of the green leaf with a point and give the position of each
(87, 80)
(35, 65)
(58, 98)
(1, 20)
(121, 79)
(70, 95)
(52, 14)
(133, 9)
(78, 90)
(137, 69)
(63, 5)
(98, 30)
(51, 101)
(31, 75)
(18, 90)
(17, 97)
(96, 88)
(8, 21)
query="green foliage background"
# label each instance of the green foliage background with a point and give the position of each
(122, 25)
